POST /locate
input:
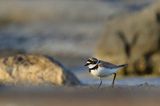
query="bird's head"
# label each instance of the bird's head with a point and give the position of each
(91, 62)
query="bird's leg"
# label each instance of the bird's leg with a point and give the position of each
(113, 80)
(100, 82)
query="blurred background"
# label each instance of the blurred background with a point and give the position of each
(71, 31)
(118, 31)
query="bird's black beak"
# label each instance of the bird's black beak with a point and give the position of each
(86, 64)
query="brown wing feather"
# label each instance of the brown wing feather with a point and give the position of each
(107, 64)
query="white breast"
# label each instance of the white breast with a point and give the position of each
(103, 72)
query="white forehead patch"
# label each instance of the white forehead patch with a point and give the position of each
(88, 62)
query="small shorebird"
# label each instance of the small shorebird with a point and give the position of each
(102, 69)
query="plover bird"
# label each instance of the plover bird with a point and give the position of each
(102, 69)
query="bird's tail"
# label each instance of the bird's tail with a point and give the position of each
(123, 65)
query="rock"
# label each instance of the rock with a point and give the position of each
(133, 39)
(29, 69)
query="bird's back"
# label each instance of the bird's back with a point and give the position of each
(106, 64)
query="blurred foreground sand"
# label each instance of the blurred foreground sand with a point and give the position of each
(80, 96)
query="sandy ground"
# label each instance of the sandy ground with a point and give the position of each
(80, 96)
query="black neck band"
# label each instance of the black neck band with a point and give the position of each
(95, 67)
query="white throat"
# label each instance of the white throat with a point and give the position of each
(91, 66)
